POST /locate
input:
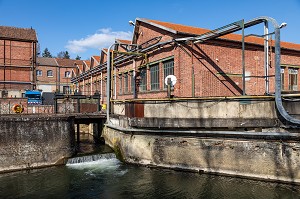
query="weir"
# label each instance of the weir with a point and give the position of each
(90, 158)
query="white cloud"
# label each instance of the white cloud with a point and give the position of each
(103, 38)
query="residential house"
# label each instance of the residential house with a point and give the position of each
(53, 74)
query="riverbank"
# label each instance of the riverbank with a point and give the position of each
(265, 156)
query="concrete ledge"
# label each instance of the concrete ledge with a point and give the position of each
(279, 136)
(273, 159)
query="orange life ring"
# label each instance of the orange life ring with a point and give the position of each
(18, 108)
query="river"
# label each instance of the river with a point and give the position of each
(107, 177)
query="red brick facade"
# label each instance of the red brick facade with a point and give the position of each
(17, 60)
(212, 68)
(54, 74)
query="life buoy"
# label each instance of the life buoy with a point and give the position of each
(18, 108)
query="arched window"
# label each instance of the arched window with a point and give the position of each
(67, 74)
(49, 73)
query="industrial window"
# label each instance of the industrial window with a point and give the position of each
(168, 69)
(49, 73)
(132, 81)
(39, 73)
(67, 74)
(120, 84)
(293, 79)
(143, 80)
(125, 82)
(282, 78)
(154, 77)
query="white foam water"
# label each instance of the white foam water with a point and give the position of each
(96, 164)
(90, 158)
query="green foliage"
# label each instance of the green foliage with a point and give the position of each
(63, 55)
(78, 57)
(46, 53)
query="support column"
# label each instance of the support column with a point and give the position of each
(78, 133)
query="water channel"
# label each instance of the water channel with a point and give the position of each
(107, 177)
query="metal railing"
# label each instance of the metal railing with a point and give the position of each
(62, 104)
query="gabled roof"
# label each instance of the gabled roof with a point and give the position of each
(78, 62)
(190, 30)
(46, 61)
(13, 33)
(87, 63)
(97, 58)
(105, 50)
(66, 62)
(123, 41)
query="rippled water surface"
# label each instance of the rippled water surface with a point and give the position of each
(109, 178)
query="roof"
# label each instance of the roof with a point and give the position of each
(87, 62)
(13, 33)
(66, 62)
(78, 62)
(183, 29)
(97, 58)
(122, 41)
(46, 61)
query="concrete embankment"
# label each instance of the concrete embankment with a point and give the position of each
(268, 156)
(35, 141)
(237, 136)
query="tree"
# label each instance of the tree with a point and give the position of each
(63, 54)
(46, 53)
(78, 57)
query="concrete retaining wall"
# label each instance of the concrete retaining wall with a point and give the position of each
(218, 108)
(264, 159)
(35, 141)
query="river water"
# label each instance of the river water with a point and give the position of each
(107, 177)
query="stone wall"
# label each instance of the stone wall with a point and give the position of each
(35, 141)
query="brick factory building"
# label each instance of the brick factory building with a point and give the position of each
(18, 52)
(205, 69)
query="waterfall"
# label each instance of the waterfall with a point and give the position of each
(90, 158)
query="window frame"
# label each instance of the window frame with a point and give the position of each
(67, 76)
(126, 89)
(37, 73)
(143, 80)
(168, 67)
(154, 77)
(48, 71)
(120, 84)
(293, 78)
(132, 81)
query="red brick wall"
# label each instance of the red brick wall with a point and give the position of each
(217, 66)
(63, 79)
(44, 78)
(18, 61)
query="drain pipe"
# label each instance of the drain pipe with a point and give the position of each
(108, 83)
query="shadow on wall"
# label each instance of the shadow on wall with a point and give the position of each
(207, 62)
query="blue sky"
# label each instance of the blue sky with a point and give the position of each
(85, 27)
